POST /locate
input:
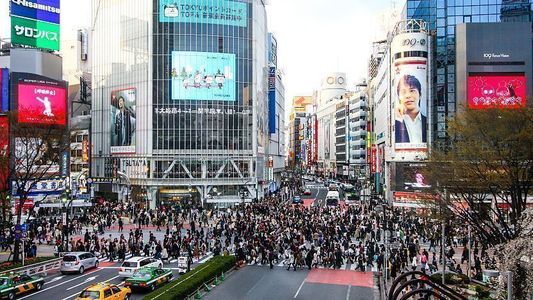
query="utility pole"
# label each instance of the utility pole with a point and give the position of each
(443, 242)
(469, 251)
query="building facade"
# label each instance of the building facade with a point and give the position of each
(180, 102)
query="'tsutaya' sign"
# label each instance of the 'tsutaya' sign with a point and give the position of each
(218, 12)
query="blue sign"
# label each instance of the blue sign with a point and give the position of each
(272, 100)
(217, 12)
(203, 76)
(4, 89)
(40, 10)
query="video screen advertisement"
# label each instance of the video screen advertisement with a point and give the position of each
(409, 93)
(203, 76)
(4, 152)
(216, 12)
(123, 120)
(40, 100)
(412, 186)
(496, 90)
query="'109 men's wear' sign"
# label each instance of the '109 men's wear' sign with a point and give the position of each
(34, 33)
(218, 12)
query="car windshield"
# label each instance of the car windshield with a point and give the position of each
(69, 258)
(90, 295)
(142, 274)
(3, 281)
(129, 264)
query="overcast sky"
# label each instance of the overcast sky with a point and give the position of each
(314, 36)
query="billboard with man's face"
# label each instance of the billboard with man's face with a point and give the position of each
(123, 120)
(410, 92)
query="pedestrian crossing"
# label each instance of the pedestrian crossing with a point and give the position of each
(345, 267)
(315, 186)
(200, 260)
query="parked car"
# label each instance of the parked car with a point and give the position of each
(78, 262)
(149, 278)
(131, 265)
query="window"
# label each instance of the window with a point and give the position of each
(115, 290)
(107, 293)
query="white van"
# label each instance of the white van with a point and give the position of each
(332, 198)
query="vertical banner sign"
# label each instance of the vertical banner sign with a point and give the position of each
(4, 152)
(272, 100)
(123, 120)
(4, 90)
(410, 92)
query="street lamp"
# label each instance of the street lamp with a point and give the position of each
(67, 201)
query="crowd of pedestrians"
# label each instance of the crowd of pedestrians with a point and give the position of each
(270, 232)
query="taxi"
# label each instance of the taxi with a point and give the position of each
(15, 284)
(104, 291)
(149, 278)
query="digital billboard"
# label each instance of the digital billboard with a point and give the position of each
(411, 177)
(42, 102)
(35, 155)
(42, 10)
(34, 33)
(203, 76)
(4, 89)
(410, 91)
(4, 152)
(123, 120)
(496, 90)
(272, 100)
(217, 12)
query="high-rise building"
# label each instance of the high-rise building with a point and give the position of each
(358, 132)
(442, 18)
(180, 110)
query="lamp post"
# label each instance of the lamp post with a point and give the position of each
(67, 201)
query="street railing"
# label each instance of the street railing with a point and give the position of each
(38, 268)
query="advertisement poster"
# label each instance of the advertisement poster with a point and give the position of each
(42, 10)
(410, 92)
(34, 33)
(42, 103)
(496, 90)
(217, 12)
(410, 177)
(4, 89)
(33, 155)
(4, 152)
(123, 120)
(203, 76)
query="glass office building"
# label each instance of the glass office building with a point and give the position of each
(442, 16)
(180, 103)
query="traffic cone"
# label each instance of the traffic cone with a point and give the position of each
(198, 295)
(207, 288)
(216, 282)
(222, 277)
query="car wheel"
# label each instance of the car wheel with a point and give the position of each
(160, 266)
(38, 286)
(82, 269)
(96, 264)
(127, 297)
(11, 295)
(63, 273)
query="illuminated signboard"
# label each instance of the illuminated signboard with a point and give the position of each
(217, 12)
(123, 120)
(42, 102)
(203, 76)
(42, 10)
(4, 89)
(496, 90)
(4, 152)
(34, 33)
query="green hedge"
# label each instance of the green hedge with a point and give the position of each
(190, 282)
(450, 278)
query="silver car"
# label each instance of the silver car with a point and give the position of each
(78, 262)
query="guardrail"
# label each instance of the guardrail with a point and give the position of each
(38, 268)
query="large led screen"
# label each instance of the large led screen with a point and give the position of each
(4, 152)
(203, 76)
(123, 120)
(42, 102)
(496, 90)
(217, 12)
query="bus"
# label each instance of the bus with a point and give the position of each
(352, 195)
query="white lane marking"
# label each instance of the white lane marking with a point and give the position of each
(208, 257)
(173, 261)
(343, 267)
(298, 291)
(348, 293)
(352, 267)
(61, 283)
(54, 279)
(88, 279)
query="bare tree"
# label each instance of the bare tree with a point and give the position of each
(486, 170)
(36, 155)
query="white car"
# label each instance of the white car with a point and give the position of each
(131, 265)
